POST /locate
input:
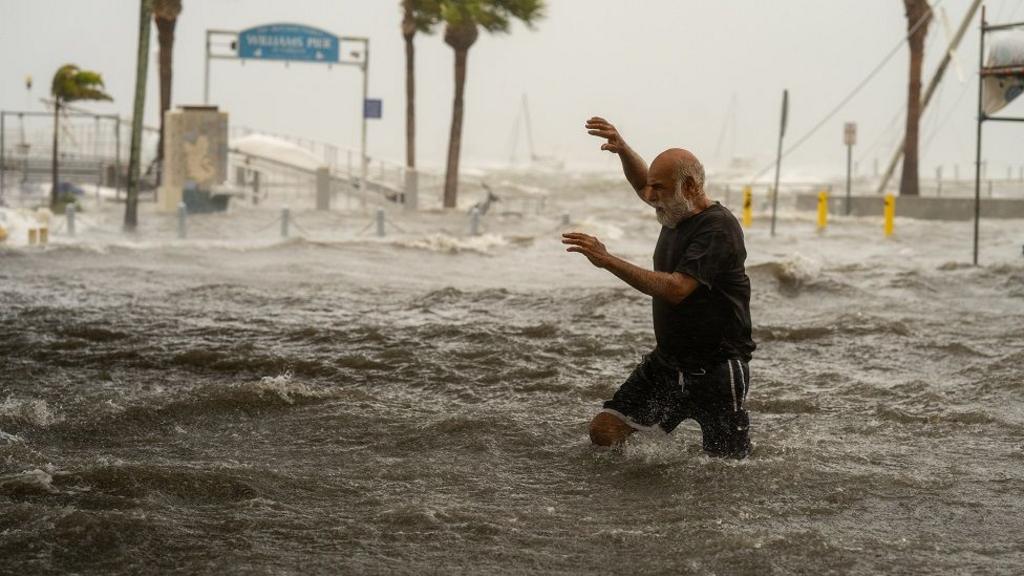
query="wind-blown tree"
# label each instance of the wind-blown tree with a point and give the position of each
(463, 20)
(70, 84)
(417, 16)
(165, 14)
(919, 15)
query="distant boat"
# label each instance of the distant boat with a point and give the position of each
(535, 160)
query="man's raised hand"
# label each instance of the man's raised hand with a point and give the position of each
(602, 128)
(589, 246)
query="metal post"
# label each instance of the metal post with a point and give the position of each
(778, 158)
(117, 158)
(182, 217)
(285, 213)
(362, 142)
(474, 222)
(206, 73)
(380, 222)
(69, 212)
(981, 119)
(3, 164)
(849, 165)
(938, 180)
(565, 219)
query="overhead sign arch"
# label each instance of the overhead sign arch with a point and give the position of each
(290, 42)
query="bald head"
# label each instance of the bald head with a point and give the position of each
(683, 168)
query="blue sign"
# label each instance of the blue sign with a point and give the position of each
(288, 42)
(373, 108)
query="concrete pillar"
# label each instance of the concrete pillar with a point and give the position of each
(182, 217)
(412, 178)
(380, 222)
(323, 189)
(285, 215)
(474, 222)
(69, 211)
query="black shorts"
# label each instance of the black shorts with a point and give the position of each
(657, 394)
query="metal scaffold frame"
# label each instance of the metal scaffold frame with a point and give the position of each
(983, 72)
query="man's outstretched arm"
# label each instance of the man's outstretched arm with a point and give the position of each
(672, 287)
(633, 166)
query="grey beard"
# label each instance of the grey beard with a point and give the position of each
(674, 211)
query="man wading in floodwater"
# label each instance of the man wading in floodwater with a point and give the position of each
(701, 296)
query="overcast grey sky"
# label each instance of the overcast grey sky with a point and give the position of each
(664, 71)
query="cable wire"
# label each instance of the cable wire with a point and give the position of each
(853, 93)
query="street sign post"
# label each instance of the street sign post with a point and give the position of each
(850, 139)
(778, 158)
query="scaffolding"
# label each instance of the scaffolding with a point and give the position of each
(997, 71)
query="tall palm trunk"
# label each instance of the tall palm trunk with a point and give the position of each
(409, 32)
(165, 38)
(460, 37)
(54, 169)
(131, 206)
(918, 19)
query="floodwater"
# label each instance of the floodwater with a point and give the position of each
(415, 404)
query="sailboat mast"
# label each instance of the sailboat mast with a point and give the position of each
(529, 127)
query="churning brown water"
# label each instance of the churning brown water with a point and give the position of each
(418, 403)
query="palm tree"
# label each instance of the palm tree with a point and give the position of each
(417, 16)
(919, 15)
(165, 14)
(70, 83)
(463, 20)
(131, 203)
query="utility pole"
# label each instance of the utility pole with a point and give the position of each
(131, 206)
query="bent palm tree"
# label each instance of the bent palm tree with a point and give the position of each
(919, 15)
(165, 14)
(463, 20)
(70, 84)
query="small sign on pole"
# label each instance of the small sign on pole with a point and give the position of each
(850, 134)
(373, 108)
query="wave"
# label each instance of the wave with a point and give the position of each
(31, 412)
(794, 275)
(856, 324)
(447, 244)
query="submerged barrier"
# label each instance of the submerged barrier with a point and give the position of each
(822, 210)
(890, 214)
(748, 206)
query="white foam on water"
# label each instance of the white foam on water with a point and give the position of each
(284, 387)
(595, 227)
(36, 479)
(35, 412)
(446, 243)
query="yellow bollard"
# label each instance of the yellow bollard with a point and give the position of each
(32, 235)
(3, 234)
(44, 235)
(748, 207)
(890, 213)
(822, 210)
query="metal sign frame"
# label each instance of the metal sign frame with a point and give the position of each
(224, 45)
(984, 71)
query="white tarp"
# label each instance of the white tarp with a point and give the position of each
(278, 150)
(998, 91)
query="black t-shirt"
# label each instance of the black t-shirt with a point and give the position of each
(713, 323)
